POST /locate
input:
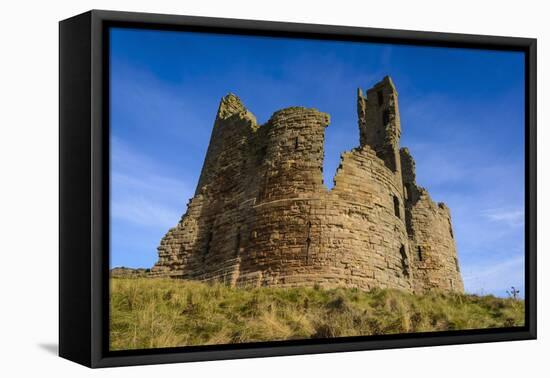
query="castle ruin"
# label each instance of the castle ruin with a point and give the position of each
(261, 214)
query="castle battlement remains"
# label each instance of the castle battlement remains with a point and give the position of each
(261, 214)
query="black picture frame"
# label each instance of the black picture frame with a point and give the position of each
(84, 188)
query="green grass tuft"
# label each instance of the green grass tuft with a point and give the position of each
(156, 313)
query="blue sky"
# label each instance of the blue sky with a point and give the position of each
(462, 115)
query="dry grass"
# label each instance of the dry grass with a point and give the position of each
(155, 313)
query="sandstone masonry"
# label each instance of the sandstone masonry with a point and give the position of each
(261, 214)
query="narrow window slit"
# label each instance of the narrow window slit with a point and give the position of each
(386, 117)
(207, 246)
(238, 243)
(404, 261)
(308, 240)
(380, 98)
(396, 207)
(261, 155)
(262, 192)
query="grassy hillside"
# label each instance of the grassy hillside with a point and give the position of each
(154, 313)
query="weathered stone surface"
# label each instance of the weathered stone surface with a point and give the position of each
(261, 214)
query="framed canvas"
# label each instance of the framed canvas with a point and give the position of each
(235, 188)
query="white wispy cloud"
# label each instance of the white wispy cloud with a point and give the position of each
(140, 195)
(124, 158)
(510, 217)
(495, 278)
(149, 200)
(144, 212)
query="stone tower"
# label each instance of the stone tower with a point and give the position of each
(261, 214)
(379, 123)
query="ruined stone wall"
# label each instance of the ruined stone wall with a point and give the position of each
(433, 248)
(261, 214)
(367, 227)
(435, 264)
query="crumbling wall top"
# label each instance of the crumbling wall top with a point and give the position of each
(231, 105)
